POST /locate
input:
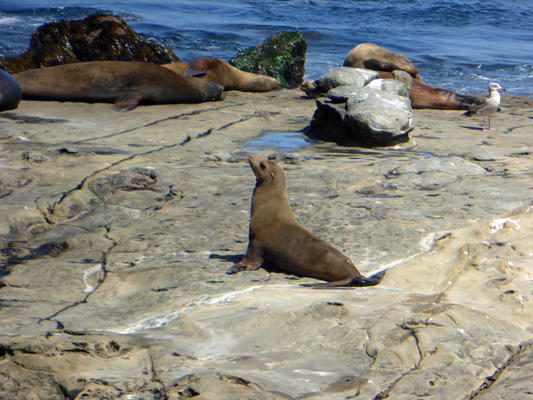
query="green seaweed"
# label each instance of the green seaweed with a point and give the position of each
(281, 56)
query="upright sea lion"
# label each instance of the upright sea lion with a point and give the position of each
(372, 56)
(276, 237)
(10, 92)
(126, 84)
(224, 74)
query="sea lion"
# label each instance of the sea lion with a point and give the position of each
(224, 74)
(10, 93)
(434, 97)
(276, 237)
(486, 106)
(421, 95)
(126, 84)
(372, 56)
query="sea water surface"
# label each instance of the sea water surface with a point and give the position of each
(457, 44)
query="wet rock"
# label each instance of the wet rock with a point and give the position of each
(99, 37)
(281, 56)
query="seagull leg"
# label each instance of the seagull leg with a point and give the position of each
(484, 130)
(492, 129)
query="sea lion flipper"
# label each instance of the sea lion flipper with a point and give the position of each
(245, 265)
(196, 68)
(127, 101)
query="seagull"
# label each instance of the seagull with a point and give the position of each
(486, 106)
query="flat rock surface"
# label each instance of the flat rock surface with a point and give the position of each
(118, 229)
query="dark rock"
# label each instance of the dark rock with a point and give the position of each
(328, 123)
(99, 37)
(281, 56)
(10, 93)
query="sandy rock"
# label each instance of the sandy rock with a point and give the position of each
(115, 247)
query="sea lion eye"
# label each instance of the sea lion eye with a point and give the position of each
(262, 165)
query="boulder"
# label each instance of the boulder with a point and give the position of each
(99, 37)
(281, 56)
(378, 117)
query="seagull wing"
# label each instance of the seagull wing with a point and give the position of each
(478, 105)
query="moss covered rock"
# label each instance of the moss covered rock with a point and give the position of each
(99, 37)
(281, 56)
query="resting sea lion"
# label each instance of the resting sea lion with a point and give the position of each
(372, 56)
(10, 92)
(437, 98)
(275, 237)
(224, 74)
(126, 84)
(421, 95)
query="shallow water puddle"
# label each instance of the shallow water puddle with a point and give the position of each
(281, 141)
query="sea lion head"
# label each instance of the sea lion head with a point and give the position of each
(267, 173)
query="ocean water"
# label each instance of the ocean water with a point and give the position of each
(457, 44)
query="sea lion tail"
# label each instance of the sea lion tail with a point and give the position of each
(370, 281)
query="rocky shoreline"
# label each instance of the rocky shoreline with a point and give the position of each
(118, 229)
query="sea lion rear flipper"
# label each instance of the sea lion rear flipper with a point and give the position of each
(127, 101)
(358, 281)
(196, 68)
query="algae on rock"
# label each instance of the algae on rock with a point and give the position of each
(281, 56)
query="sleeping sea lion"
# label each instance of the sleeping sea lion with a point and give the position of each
(276, 237)
(433, 97)
(421, 95)
(126, 84)
(224, 74)
(10, 92)
(372, 56)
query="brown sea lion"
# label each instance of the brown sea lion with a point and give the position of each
(421, 95)
(10, 93)
(126, 84)
(276, 237)
(433, 97)
(224, 74)
(372, 56)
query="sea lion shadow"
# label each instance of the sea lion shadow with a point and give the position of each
(234, 259)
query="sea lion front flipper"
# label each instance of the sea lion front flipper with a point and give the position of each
(127, 101)
(244, 265)
(196, 68)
